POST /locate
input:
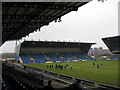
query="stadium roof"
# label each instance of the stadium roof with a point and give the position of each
(54, 44)
(112, 37)
(113, 43)
(21, 18)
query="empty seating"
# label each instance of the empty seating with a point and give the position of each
(115, 57)
(25, 58)
(42, 58)
(38, 57)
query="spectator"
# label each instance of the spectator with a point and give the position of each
(70, 67)
(75, 86)
(50, 66)
(56, 66)
(47, 66)
(97, 66)
(66, 64)
(18, 61)
(93, 64)
(24, 67)
(65, 67)
(49, 86)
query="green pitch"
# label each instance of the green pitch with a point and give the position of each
(106, 72)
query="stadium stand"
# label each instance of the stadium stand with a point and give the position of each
(113, 43)
(32, 78)
(115, 57)
(25, 58)
(52, 57)
(42, 58)
(44, 51)
(38, 57)
(21, 19)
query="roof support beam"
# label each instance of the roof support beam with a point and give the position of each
(22, 5)
(20, 19)
(39, 5)
(24, 17)
(20, 24)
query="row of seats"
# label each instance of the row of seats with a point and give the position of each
(14, 81)
(41, 58)
(115, 57)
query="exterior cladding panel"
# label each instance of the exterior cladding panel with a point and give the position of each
(54, 47)
(113, 43)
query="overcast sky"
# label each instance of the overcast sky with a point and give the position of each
(91, 23)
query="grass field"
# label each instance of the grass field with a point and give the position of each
(107, 73)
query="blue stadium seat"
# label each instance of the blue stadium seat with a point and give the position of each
(115, 57)
(25, 58)
(42, 58)
(38, 57)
